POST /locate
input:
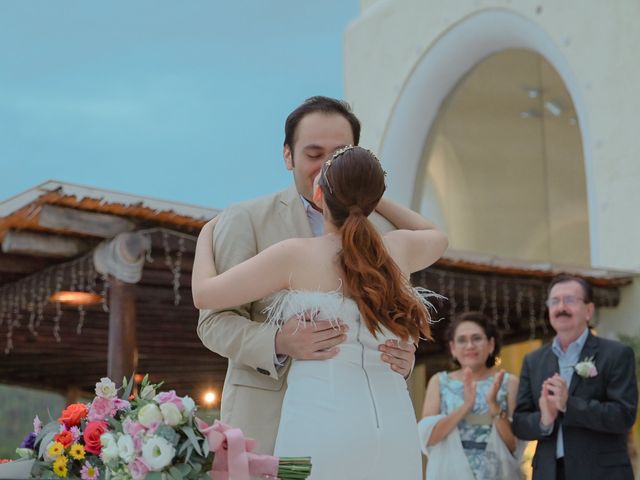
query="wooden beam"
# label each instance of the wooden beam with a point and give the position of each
(40, 244)
(81, 222)
(22, 263)
(123, 353)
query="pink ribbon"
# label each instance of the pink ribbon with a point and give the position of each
(233, 458)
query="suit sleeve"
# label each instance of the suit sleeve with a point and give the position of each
(526, 416)
(231, 333)
(617, 413)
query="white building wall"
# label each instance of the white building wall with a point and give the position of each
(403, 57)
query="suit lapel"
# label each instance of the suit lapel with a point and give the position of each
(549, 363)
(590, 349)
(291, 211)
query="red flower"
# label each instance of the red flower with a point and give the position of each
(91, 436)
(65, 438)
(72, 415)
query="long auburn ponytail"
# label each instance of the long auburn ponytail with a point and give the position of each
(353, 183)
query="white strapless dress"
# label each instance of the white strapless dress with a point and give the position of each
(352, 414)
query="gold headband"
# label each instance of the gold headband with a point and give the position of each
(339, 152)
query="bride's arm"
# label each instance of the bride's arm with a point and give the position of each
(417, 243)
(203, 264)
(402, 217)
(255, 278)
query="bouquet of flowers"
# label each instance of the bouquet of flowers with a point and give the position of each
(153, 435)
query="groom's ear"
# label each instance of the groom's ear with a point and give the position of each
(287, 154)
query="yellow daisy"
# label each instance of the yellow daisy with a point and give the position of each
(60, 466)
(55, 449)
(77, 451)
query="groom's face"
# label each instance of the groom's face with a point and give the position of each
(317, 136)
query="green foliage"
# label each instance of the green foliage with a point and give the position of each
(18, 406)
(634, 342)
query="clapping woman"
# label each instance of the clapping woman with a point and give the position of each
(466, 430)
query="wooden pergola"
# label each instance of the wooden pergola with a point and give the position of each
(49, 235)
(512, 293)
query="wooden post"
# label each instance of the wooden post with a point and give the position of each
(123, 348)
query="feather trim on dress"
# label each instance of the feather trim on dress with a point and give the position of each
(426, 296)
(307, 306)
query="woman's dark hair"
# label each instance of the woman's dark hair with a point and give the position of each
(352, 183)
(587, 289)
(487, 327)
(324, 105)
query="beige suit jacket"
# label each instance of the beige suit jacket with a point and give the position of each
(253, 388)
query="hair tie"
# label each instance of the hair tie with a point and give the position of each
(355, 210)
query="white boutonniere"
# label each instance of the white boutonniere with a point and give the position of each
(586, 368)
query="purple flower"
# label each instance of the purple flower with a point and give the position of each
(89, 472)
(37, 425)
(29, 441)
(75, 431)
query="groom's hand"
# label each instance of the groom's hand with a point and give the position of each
(303, 340)
(400, 355)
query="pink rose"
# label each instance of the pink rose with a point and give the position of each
(132, 428)
(120, 404)
(138, 469)
(101, 408)
(170, 397)
(153, 426)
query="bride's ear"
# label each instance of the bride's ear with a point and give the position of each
(317, 196)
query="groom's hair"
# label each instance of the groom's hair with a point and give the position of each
(326, 105)
(587, 289)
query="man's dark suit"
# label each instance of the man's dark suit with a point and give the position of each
(600, 412)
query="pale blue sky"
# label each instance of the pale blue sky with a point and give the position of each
(181, 100)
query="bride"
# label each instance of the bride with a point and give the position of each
(352, 414)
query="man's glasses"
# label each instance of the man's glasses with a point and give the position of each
(569, 300)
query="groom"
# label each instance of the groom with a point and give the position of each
(578, 395)
(259, 355)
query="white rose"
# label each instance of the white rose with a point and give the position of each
(149, 414)
(109, 447)
(126, 450)
(148, 392)
(105, 388)
(171, 414)
(189, 405)
(158, 453)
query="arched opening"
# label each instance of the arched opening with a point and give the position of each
(504, 166)
(436, 74)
